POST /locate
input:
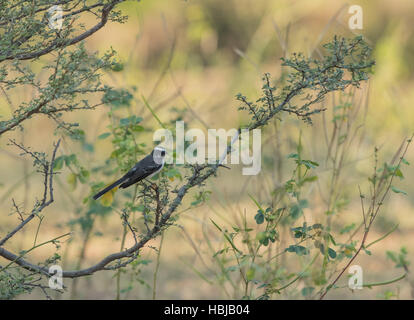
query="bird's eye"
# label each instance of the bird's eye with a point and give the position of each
(162, 153)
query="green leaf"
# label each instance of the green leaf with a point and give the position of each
(58, 164)
(88, 147)
(104, 135)
(332, 253)
(367, 252)
(398, 173)
(250, 274)
(262, 237)
(347, 228)
(316, 226)
(297, 209)
(117, 98)
(259, 217)
(391, 256)
(299, 250)
(231, 268)
(310, 179)
(70, 160)
(303, 203)
(117, 66)
(298, 234)
(77, 134)
(140, 208)
(332, 239)
(309, 164)
(72, 180)
(83, 176)
(398, 190)
(130, 121)
(307, 291)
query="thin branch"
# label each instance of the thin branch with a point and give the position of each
(44, 202)
(372, 213)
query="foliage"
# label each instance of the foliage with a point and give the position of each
(72, 80)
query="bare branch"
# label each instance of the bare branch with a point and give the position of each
(48, 184)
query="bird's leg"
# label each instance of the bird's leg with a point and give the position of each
(152, 185)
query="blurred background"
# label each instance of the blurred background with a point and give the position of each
(195, 56)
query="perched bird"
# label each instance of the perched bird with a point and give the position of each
(145, 168)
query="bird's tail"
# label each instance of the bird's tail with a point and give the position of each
(108, 188)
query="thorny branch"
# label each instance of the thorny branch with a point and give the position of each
(382, 186)
(47, 196)
(58, 42)
(69, 79)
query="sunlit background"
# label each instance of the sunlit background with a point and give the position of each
(196, 56)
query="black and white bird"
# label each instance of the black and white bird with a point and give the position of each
(145, 168)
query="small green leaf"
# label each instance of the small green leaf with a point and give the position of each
(259, 217)
(262, 237)
(307, 291)
(332, 239)
(299, 250)
(347, 228)
(398, 173)
(310, 179)
(309, 164)
(391, 256)
(72, 179)
(83, 176)
(367, 252)
(117, 66)
(332, 253)
(70, 159)
(58, 164)
(396, 190)
(104, 135)
(140, 208)
(117, 98)
(250, 274)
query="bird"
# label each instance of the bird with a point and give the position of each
(145, 168)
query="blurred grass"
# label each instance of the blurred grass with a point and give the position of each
(199, 54)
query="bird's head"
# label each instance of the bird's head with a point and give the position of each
(158, 154)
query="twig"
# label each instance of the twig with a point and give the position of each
(44, 203)
(373, 212)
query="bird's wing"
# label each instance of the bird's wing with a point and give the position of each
(140, 171)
